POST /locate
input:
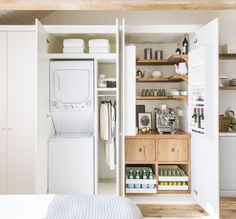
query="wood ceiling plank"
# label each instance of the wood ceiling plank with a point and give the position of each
(116, 5)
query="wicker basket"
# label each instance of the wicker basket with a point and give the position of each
(224, 123)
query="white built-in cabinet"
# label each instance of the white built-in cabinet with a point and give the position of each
(18, 118)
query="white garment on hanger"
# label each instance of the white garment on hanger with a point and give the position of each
(104, 122)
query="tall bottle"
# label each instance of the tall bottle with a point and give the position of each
(137, 176)
(185, 46)
(194, 117)
(178, 50)
(197, 123)
(201, 119)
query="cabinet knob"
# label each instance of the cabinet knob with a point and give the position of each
(140, 149)
(3, 129)
(9, 129)
(173, 149)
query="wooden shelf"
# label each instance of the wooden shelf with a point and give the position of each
(227, 56)
(162, 80)
(174, 59)
(185, 98)
(227, 88)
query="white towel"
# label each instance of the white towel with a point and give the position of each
(73, 43)
(73, 50)
(99, 43)
(96, 50)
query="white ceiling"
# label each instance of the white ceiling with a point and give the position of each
(23, 17)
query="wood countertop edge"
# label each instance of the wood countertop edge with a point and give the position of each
(178, 134)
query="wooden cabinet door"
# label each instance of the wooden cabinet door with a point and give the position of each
(22, 112)
(140, 150)
(172, 150)
(3, 114)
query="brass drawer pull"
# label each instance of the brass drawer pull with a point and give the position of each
(173, 149)
(140, 149)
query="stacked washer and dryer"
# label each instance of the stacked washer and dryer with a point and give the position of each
(71, 149)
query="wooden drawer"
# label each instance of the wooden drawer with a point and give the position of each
(172, 150)
(140, 150)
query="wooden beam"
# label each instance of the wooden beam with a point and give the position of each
(116, 5)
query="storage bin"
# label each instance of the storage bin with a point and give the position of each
(229, 48)
(224, 123)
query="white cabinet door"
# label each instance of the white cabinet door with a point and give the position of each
(205, 148)
(130, 90)
(3, 114)
(22, 112)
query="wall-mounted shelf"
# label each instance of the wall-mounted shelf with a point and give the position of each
(185, 98)
(102, 58)
(227, 88)
(162, 80)
(174, 59)
(227, 56)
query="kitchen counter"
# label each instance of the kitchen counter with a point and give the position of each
(155, 134)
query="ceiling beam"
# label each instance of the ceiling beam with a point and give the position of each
(117, 4)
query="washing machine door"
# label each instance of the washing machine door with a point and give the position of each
(71, 85)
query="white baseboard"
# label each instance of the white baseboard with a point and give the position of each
(227, 193)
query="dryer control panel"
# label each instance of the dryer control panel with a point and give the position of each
(57, 106)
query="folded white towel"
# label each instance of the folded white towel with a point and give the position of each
(99, 43)
(73, 50)
(96, 50)
(73, 43)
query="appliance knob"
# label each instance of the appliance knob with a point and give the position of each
(88, 103)
(71, 106)
(65, 106)
(54, 103)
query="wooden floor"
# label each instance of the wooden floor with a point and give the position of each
(227, 210)
(185, 211)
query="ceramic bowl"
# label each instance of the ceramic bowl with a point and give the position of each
(225, 81)
(184, 93)
(156, 74)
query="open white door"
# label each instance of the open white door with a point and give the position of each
(203, 80)
(45, 127)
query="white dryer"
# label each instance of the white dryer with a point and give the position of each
(71, 96)
(71, 164)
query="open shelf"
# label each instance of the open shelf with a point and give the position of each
(185, 98)
(102, 58)
(174, 59)
(228, 134)
(107, 89)
(162, 80)
(227, 88)
(227, 56)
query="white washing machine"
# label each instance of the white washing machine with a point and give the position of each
(71, 150)
(71, 164)
(71, 96)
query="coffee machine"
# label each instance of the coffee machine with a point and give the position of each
(165, 119)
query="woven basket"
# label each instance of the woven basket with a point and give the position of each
(224, 123)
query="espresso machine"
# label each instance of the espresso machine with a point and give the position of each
(165, 119)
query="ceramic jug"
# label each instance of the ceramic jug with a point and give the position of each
(181, 68)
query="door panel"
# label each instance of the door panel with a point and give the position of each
(205, 148)
(3, 114)
(22, 111)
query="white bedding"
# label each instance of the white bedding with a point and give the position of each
(67, 207)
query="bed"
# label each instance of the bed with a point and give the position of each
(67, 207)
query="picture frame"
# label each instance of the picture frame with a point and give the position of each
(145, 120)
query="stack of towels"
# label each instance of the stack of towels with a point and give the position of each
(99, 46)
(73, 46)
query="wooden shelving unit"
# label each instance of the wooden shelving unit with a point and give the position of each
(174, 59)
(227, 88)
(227, 56)
(185, 98)
(171, 79)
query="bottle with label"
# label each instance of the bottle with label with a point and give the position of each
(201, 119)
(130, 176)
(197, 122)
(137, 176)
(151, 176)
(144, 186)
(194, 117)
(185, 46)
(178, 51)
